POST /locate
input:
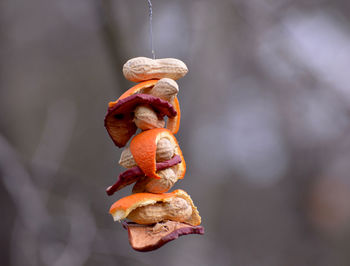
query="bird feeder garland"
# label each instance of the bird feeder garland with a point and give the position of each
(154, 160)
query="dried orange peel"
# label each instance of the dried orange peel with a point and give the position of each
(174, 122)
(123, 207)
(142, 87)
(143, 148)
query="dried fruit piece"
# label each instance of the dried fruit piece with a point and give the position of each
(119, 119)
(165, 151)
(144, 146)
(120, 127)
(142, 87)
(123, 207)
(135, 173)
(143, 68)
(151, 237)
(173, 123)
(146, 118)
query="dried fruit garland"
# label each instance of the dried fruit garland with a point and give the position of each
(154, 158)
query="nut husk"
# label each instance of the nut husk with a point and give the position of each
(165, 89)
(146, 118)
(152, 185)
(165, 150)
(177, 209)
(143, 68)
(126, 159)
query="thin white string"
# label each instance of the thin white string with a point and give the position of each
(150, 28)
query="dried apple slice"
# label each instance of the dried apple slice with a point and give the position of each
(142, 87)
(150, 237)
(133, 174)
(119, 119)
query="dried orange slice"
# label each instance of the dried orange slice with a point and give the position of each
(174, 122)
(143, 148)
(141, 87)
(123, 207)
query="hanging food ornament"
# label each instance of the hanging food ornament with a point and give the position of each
(154, 160)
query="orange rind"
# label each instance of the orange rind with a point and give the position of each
(143, 148)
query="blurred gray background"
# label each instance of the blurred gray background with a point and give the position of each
(265, 129)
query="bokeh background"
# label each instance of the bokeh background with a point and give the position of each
(265, 129)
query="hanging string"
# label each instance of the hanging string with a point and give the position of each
(150, 28)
